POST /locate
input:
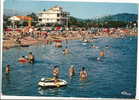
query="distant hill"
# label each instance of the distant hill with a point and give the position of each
(124, 17)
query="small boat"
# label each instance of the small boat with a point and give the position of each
(50, 82)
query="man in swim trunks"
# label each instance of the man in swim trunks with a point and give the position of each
(31, 58)
(71, 71)
(7, 70)
(55, 72)
(83, 74)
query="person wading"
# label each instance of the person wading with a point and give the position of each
(55, 73)
(83, 74)
(71, 71)
(31, 58)
(7, 70)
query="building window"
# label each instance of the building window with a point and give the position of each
(58, 15)
(58, 20)
(61, 14)
(40, 19)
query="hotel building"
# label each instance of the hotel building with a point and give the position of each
(54, 15)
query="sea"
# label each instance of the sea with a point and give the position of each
(113, 76)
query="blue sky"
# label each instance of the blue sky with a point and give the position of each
(77, 9)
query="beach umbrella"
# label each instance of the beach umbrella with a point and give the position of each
(8, 29)
(58, 28)
(52, 28)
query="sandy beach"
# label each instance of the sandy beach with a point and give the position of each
(25, 41)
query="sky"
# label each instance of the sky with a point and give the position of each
(84, 10)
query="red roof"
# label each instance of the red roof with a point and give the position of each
(24, 17)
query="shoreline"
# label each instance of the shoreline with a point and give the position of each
(28, 41)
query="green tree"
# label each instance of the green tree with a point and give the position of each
(6, 21)
(34, 17)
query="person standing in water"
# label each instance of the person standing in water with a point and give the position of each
(31, 57)
(7, 70)
(71, 71)
(56, 72)
(83, 74)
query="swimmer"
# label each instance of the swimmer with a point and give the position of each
(95, 47)
(55, 73)
(83, 74)
(71, 71)
(7, 70)
(22, 58)
(107, 46)
(66, 51)
(101, 53)
(31, 57)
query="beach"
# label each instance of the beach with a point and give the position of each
(17, 39)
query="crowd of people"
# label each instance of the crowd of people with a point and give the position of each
(70, 34)
(55, 71)
(71, 72)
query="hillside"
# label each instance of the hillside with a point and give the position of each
(124, 17)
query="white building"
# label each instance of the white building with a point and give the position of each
(53, 15)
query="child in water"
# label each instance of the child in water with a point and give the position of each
(7, 70)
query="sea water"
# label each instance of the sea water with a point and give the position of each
(114, 76)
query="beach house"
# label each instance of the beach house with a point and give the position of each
(14, 19)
